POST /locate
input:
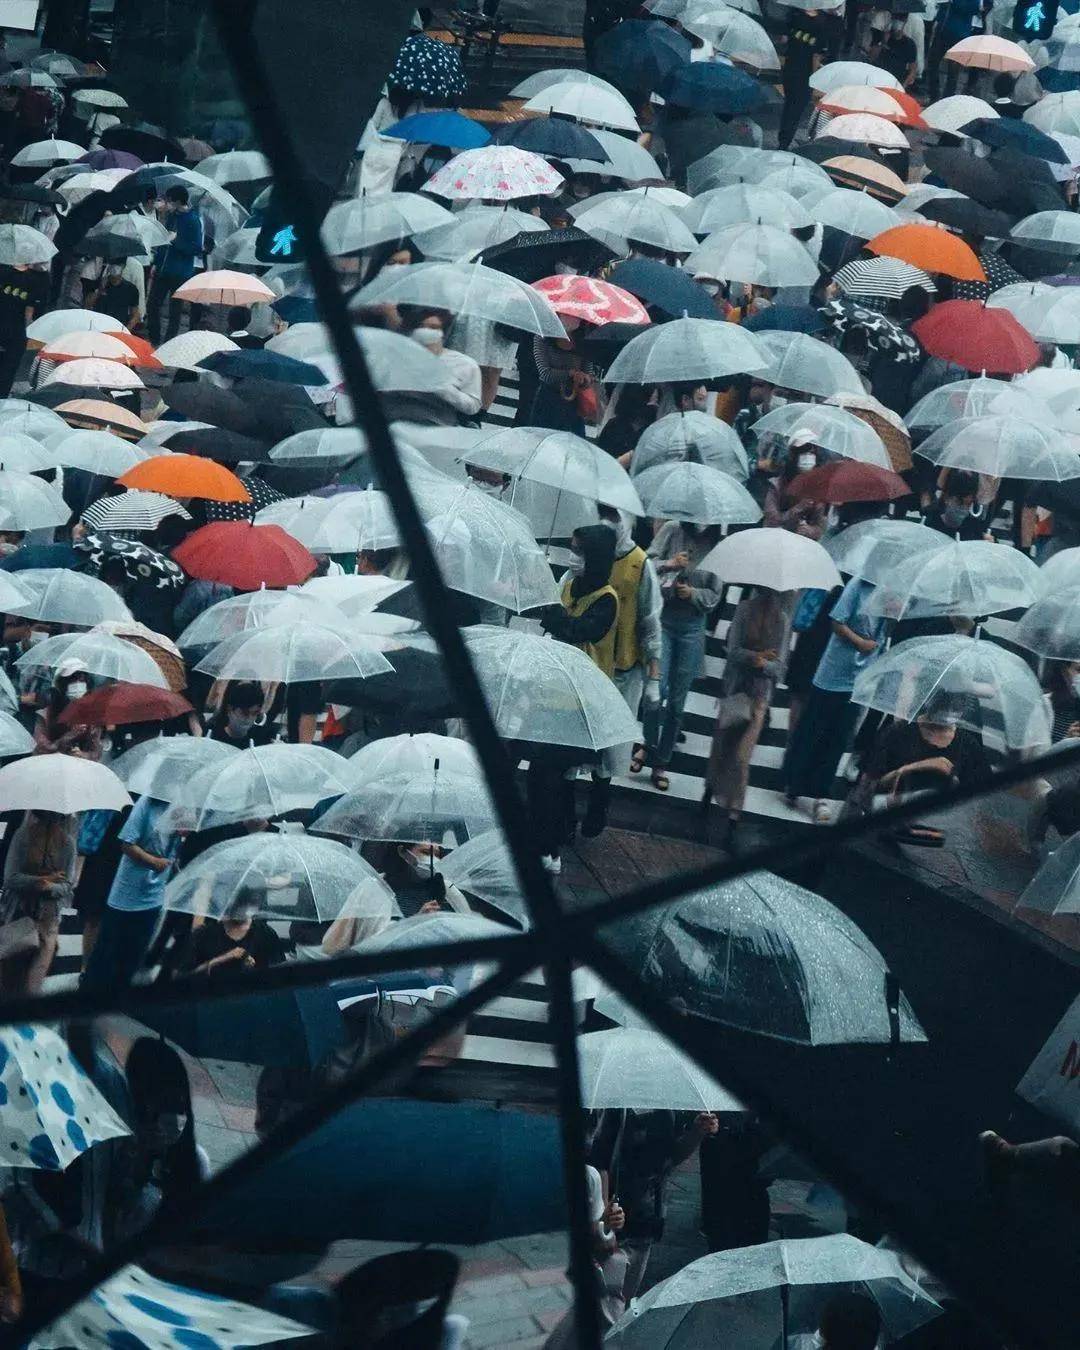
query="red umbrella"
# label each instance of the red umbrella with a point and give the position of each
(245, 556)
(969, 334)
(591, 300)
(115, 705)
(847, 480)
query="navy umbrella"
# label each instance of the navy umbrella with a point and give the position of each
(441, 128)
(30, 192)
(967, 216)
(967, 173)
(638, 53)
(428, 67)
(1005, 133)
(296, 308)
(405, 1171)
(257, 363)
(786, 318)
(711, 87)
(660, 286)
(603, 344)
(556, 137)
(203, 402)
(227, 447)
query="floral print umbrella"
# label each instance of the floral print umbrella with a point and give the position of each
(591, 300)
(497, 173)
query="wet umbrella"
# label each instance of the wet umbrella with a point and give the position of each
(132, 511)
(40, 555)
(257, 609)
(160, 768)
(669, 289)
(1056, 112)
(688, 349)
(110, 159)
(532, 255)
(224, 288)
(734, 35)
(60, 322)
(415, 686)
(260, 783)
(696, 493)
(625, 159)
(353, 593)
(846, 481)
(1051, 627)
(498, 173)
(236, 166)
(1055, 887)
(57, 595)
(626, 219)
(227, 447)
(951, 113)
(978, 683)
(429, 68)
(14, 738)
(854, 213)
(123, 236)
(1009, 134)
(120, 704)
(96, 652)
(639, 53)
(279, 877)
(23, 454)
(974, 177)
(968, 577)
(842, 74)
(591, 300)
(638, 1069)
(441, 127)
(560, 460)
(777, 559)
(483, 866)
(986, 52)
(40, 154)
(977, 337)
(808, 366)
(244, 364)
(790, 318)
(873, 549)
(711, 86)
(27, 503)
(554, 137)
(1004, 446)
(755, 1296)
(929, 248)
(60, 783)
(367, 222)
(435, 802)
(694, 436)
(149, 143)
(466, 290)
(76, 346)
(881, 334)
(353, 521)
(740, 203)
(475, 231)
(760, 255)
(968, 217)
(22, 245)
(863, 173)
(1057, 228)
(598, 104)
(881, 279)
(186, 476)
(294, 653)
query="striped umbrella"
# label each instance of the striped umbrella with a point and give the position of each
(881, 278)
(132, 512)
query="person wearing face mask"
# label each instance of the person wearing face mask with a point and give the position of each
(795, 513)
(51, 736)
(957, 511)
(463, 392)
(240, 720)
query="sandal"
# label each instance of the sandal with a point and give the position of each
(637, 760)
(659, 780)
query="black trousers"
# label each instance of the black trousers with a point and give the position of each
(161, 290)
(796, 99)
(12, 347)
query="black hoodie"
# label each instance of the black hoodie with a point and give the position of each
(598, 549)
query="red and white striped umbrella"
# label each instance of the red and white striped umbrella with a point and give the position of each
(591, 300)
(498, 173)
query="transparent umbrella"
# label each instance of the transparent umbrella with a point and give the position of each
(353, 593)
(756, 1296)
(320, 445)
(465, 289)
(293, 653)
(161, 768)
(969, 577)
(1051, 627)
(1005, 447)
(11, 592)
(624, 219)
(1051, 318)
(31, 419)
(635, 1068)
(26, 503)
(719, 207)
(688, 349)
(854, 213)
(982, 686)
(434, 803)
(487, 549)
(362, 520)
(367, 222)
(1055, 887)
(981, 397)
(396, 363)
(98, 653)
(279, 876)
(806, 182)
(778, 559)
(484, 866)
(474, 230)
(1049, 227)
(258, 784)
(732, 34)
(423, 929)
(797, 361)
(694, 436)
(96, 452)
(14, 738)
(547, 691)
(1060, 571)
(305, 518)
(873, 549)
(22, 245)
(760, 255)
(58, 595)
(696, 493)
(258, 609)
(766, 956)
(585, 103)
(626, 159)
(832, 428)
(560, 460)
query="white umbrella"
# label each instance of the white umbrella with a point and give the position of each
(99, 98)
(160, 768)
(759, 255)
(969, 577)
(236, 166)
(29, 419)
(295, 652)
(1005, 447)
(466, 289)
(742, 202)
(560, 460)
(638, 1069)
(696, 493)
(867, 128)
(81, 186)
(187, 350)
(840, 74)
(626, 159)
(777, 559)
(834, 429)
(367, 222)
(22, 244)
(22, 453)
(58, 595)
(98, 653)
(437, 803)
(855, 213)
(956, 111)
(26, 503)
(623, 220)
(499, 173)
(688, 349)
(587, 103)
(94, 373)
(61, 783)
(544, 79)
(695, 436)
(800, 362)
(97, 452)
(59, 322)
(39, 154)
(14, 738)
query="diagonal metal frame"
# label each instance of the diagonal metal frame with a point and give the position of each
(556, 938)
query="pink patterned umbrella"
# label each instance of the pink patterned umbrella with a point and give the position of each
(497, 173)
(590, 300)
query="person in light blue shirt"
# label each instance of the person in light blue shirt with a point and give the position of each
(133, 909)
(825, 726)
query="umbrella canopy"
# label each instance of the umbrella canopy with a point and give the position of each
(743, 202)
(688, 349)
(27, 503)
(14, 738)
(760, 255)
(639, 53)
(554, 137)
(1048, 313)
(1007, 133)
(873, 549)
(854, 213)
(763, 955)
(95, 374)
(844, 74)
(952, 113)
(58, 595)
(976, 684)
(29, 419)
(22, 453)
(591, 300)
(224, 288)
(123, 236)
(483, 866)
(236, 166)
(96, 652)
(1055, 887)
(353, 593)
(976, 337)
(22, 245)
(75, 346)
(857, 171)
(969, 577)
(131, 511)
(442, 127)
(1051, 627)
(185, 351)
(546, 691)
(61, 783)
(1049, 227)
(466, 290)
(598, 104)
(426, 67)
(696, 493)
(438, 802)
(498, 173)
(367, 222)
(880, 334)
(802, 363)
(96, 413)
(119, 704)
(776, 559)
(636, 1068)
(186, 476)
(279, 876)
(40, 154)
(1056, 112)
(968, 217)
(867, 129)
(247, 364)
(986, 52)
(865, 98)
(160, 768)
(296, 652)
(624, 219)
(712, 86)
(732, 34)
(260, 783)
(694, 436)
(257, 609)
(845, 481)
(760, 1294)
(665, 288)
(560, 460)
(881, 278)
(476, 230)
(1004, 447)
(931, 249)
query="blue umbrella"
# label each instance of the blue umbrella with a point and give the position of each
(637, 53)
(668, 288)
(556, 137)
(709, 86)
(786, 318)
(1005, 133)
(245, 364)
(405, 1171)
(296, 308)
(441, 128)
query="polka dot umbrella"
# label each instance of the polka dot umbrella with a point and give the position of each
(430, 68)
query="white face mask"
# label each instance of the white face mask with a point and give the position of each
(419, 864)
(1074, 685)
(427, 337)
(77, 688)
(805, 463)
(35, 636)
(576, 565)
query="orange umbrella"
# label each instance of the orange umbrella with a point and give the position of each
(96, 413)
(142, 350)
(931, 248)
(854, 171)
(186, 476)
(910, 107)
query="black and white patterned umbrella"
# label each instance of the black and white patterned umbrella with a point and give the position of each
(262, 494)
(132, 512)
(141, 564)
(998, 274)
(428, 67)
(882, 278)
(882, 335)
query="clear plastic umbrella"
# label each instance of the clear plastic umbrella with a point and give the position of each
(981, 685)
(423, 929)
(397, 364)
(1005, 447)
(1060, 571)
(58, 595)
(1050, 314)
(755, 1295)
(981, 397)
(1055, 887)
(854, 213)
(294, 653)
(466, 289)
(305, 518)
(487, 549)
(14, 738)
(956, 111)
(474, 230)
(22, 453)
(806, 182)
(545, 79)
(547, 691)
(638, 1069)
(873, 549)
(22, 245)
(61, 783)
(1051, 627)
(734, 35)
(838, 74)
(27, 503)
(422, 753)
(1056, 112)
(320, 445)
(96, 452)
(353, 593)
(969, 577)
(434, 803)
(29, 419)
(688, 349)
(236, 166)
(560, 460)
(258, 609)
(279, 876)
(626, 159)
(484, 867)
(361, 520)
(766, 956)
(98, 653)
(11, 592)
(694, 436)
(759, 255)
(367, 222)
(778, 559)
(723, 206)
(696, 493)
(623, 220)
(729, 164)
(1049, 227)
(162, 767)
(9, 699)
(798, 361)
(832, 428)
(258, 784)
(586, 103)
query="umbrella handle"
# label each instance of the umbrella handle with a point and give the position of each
(784, 1295)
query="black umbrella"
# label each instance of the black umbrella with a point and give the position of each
(603, 344)
(556, 137)
(429, 67)
(882, 334)
(1007, 133)
(998, 274)
(417, 685)
(832, 147)
(206, 403)
(147, 141)
(837, 248)
(52, 395)
(535, 253)
(142, 565)
(280, 410)
(969, 217)
(273, 366)
(30, 192)
(227, 447)
(1031, 184)
(110, 247)
(966, 173)
(671, 289)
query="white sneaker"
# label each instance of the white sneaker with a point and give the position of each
(551, 863)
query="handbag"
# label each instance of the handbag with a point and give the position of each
(733, 711)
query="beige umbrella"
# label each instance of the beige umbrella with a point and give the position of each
(224, 288)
